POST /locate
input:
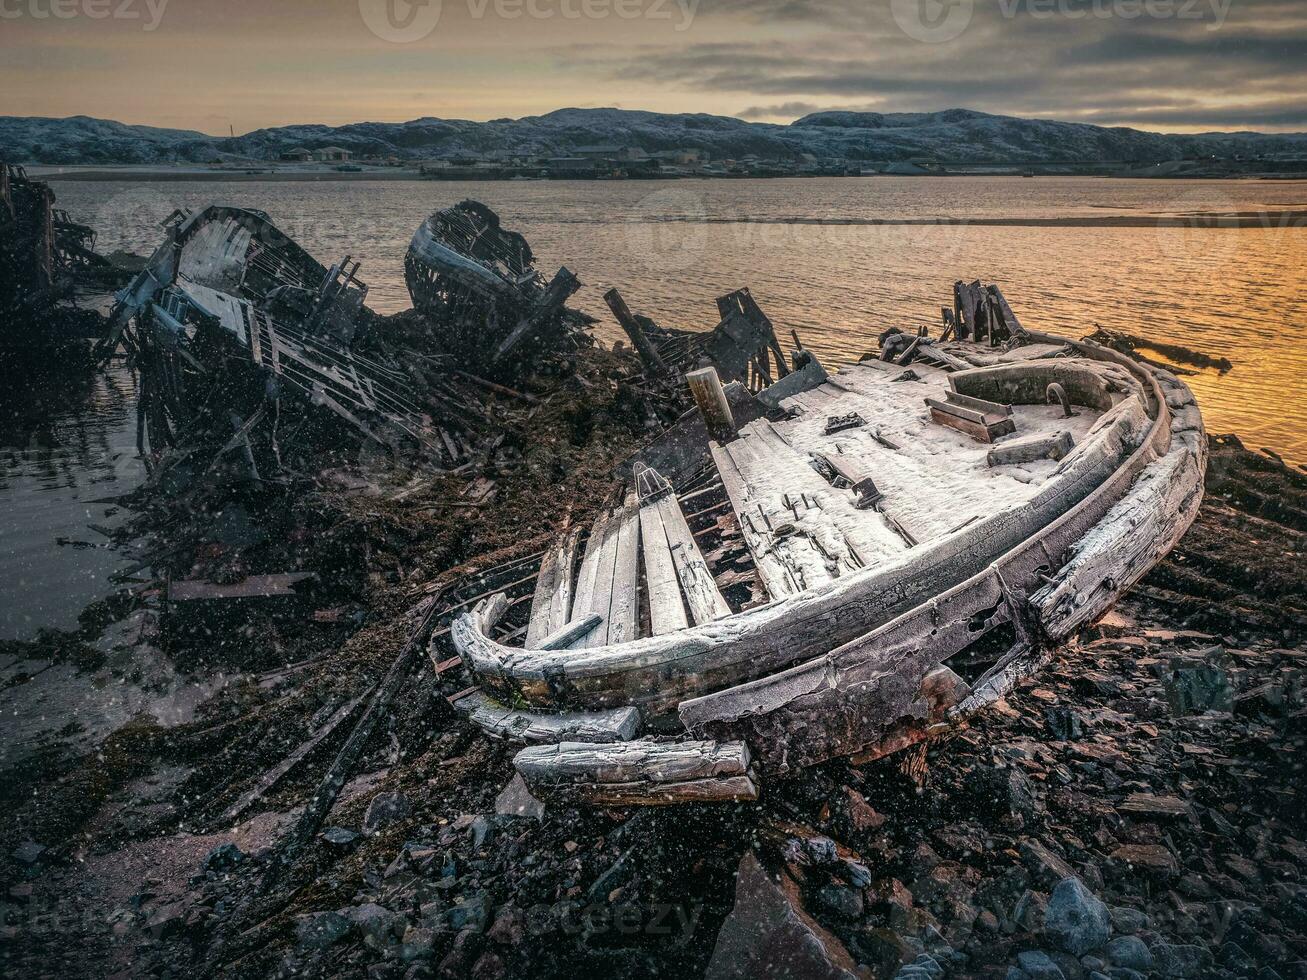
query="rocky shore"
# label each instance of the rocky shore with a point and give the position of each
(1134, 810)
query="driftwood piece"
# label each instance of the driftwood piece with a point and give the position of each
(666, 609)
(324, 798)
(570, 634)
(653, 364)
(500, 721)
(277, 773)
(644, 772)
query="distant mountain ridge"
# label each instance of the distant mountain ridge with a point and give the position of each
(949, 136)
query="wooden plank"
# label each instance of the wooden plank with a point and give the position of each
(542, 602)
(624, 609)
(586, 578)
(981, 405)
(1031, 449)
(560, 607)
(666, 610)
(563, 638)
(701, 593)
(500, 721)
(977, 430)
(645, 772)
(601, 592)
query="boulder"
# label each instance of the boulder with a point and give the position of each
(1039, 965)
(384, 810)
(769, 935)
(224, 858)
(1076, 921)
(1131, 953)
(321, 929)
(1181, 961)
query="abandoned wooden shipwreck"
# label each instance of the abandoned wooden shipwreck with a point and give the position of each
(839, 565)
(44, 257)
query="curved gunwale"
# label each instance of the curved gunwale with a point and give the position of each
(658, 673)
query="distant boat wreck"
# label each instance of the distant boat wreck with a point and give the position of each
(841, 565)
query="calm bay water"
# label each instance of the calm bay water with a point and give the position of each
(816, 260)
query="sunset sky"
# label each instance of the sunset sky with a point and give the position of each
(211, 65)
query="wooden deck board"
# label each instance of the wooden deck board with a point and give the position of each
(624, 605)
(587, 577)
(666, 610)
(701, 593)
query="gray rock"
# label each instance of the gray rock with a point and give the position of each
(1129, 921)
(224, 858)
(928, 963)
(1046, 868)
(1181, 961)
(374, 921)
(339, 836)
(321, 929)
(1029, 911)
(473, 914)
(840, 900)
(769, 935)
(1131, 953)
(28, 852)
(482, 831)
(384, 810)
(515, 800)
(1039, 965)
(1195, 687)
(1125, 973)
(1076, 921)
(417, 945)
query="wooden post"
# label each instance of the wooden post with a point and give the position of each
(706, 387)
(653, 364)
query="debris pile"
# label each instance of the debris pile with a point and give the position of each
(44, 256)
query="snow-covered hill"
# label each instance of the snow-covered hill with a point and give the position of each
(951, 136)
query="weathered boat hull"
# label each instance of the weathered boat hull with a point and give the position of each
(859, 667)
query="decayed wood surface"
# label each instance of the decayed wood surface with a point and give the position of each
(1020, 451)
(618, 725)
(854, 699)
(659, 672)
(645, 772)
(1116, 504)
(666, 609)
(551, 607)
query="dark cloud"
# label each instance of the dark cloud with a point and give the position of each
(1190, 63)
